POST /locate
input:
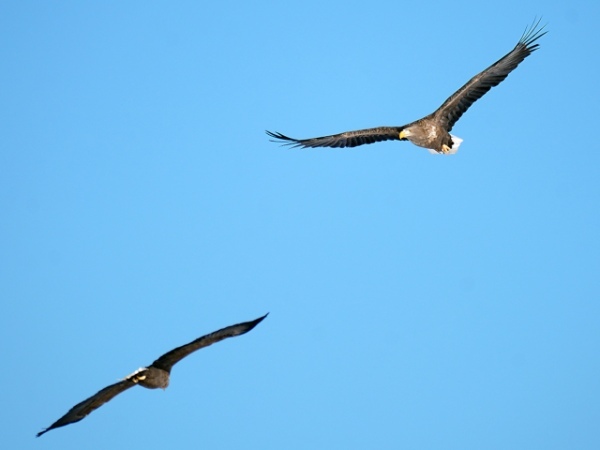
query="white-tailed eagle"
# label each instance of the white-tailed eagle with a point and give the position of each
(156, 375)
(433, 131)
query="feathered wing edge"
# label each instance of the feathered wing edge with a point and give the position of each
(458, 103)
(82, 409)
(341, 140)
(169, 359)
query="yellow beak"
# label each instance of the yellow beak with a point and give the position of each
(402, 135)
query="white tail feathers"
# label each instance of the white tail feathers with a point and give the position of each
(457, 141)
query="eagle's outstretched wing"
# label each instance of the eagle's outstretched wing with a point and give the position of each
(80, 410)
(347, 139)
(454, 107)
(169, 359)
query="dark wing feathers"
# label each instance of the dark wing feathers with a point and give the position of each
(476, 87)
(169, 359)
(80, 410)
(347, 139)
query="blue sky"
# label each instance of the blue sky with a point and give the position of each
(415, 301)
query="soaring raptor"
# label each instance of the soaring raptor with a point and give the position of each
(433, 131)
(156, 375)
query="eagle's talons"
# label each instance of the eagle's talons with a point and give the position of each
(446, 149)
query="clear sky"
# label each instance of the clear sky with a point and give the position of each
(416, 301)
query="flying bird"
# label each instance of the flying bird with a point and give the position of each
(152, 377)
(433, 131)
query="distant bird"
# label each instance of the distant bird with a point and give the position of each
(433, 131)
(154, 376)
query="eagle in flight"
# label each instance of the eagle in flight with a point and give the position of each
(156, 375)
(433, 131)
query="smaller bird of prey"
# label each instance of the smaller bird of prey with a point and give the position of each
(433, 131)
(156, 375)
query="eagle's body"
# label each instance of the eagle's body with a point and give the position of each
(433, 131)
(154, 376)
(429, 134)
(150, 377)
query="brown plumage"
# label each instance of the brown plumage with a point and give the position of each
(152, 377)
(433, 131)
